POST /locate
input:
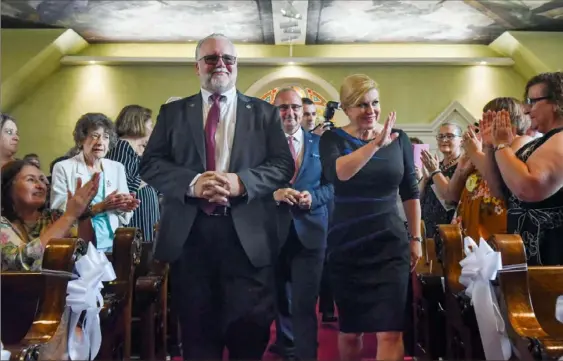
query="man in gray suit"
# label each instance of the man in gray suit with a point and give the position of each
(217, 157)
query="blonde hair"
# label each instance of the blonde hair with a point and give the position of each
(354, 88)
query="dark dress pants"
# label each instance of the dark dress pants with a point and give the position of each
(298, 276)
(326, 300)
(222, 300)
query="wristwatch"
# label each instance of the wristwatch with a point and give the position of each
(417, 239)
(501, 146)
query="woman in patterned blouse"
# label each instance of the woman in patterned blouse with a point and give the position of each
(25, 230)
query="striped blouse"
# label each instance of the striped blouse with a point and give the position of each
(148, 212)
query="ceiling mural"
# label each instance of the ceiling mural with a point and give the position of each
(144, 20)
(283, 21)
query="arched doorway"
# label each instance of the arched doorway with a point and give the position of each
(306, 84)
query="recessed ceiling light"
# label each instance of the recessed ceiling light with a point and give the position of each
(291, 63)
(483, 63)
(92, 62)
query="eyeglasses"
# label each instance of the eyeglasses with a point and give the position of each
(448, 137)
(11, 132)
(285, 107)
(214, 59)
(532, 101)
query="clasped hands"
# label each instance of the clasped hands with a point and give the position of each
(217, 187)
(293, 197)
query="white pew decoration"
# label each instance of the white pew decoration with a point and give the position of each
(559, 309)
(84, 294)
(479, 267)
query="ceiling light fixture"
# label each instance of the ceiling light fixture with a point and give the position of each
(291, 63)
(289, 11)
(483, 63)
(92, 62)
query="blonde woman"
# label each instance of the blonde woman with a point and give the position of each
(370, 252)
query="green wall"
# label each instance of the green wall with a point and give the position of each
(46, 114)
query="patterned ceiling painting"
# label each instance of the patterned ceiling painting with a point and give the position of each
(323, 22)
(145, 20)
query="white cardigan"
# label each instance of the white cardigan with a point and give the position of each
(67, 172)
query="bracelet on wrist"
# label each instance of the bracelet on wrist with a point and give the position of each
(88, 213)
(432, 174)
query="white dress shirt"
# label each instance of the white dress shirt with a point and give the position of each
(225, 132)
(298, 139)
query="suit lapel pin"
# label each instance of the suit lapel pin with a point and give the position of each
(192, 105)
(248, 106)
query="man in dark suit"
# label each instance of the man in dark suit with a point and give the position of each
(300, 264)
(217, 157)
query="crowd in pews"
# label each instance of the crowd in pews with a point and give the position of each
(494, 195)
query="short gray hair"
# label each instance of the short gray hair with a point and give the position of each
(212, 36)
(90, 121)
(285, 90)
(456, 126)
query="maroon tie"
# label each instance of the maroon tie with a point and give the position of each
(210, 129)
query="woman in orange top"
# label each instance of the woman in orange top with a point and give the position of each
(480, 214)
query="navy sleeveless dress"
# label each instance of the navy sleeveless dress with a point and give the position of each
(368, 247)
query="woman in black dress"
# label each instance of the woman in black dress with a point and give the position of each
(533, 175)
(134, 126)
(370, 252)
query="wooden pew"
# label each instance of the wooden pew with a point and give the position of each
(527, 297)
(118, 296)
(463, 341)
(429, 315)
(33, 304)
(150, 308)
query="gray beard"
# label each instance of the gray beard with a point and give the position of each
(217, 86)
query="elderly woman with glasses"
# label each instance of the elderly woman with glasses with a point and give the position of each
(113, 205)
(533, 175)
(436, 207)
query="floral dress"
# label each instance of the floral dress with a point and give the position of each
(479, 214)
(21, 252)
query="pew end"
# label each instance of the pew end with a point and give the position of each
(463, 340)
(33, 303)
(528, 299)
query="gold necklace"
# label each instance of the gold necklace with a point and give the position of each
(445, 166)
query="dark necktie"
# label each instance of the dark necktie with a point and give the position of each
(291, 143)
(210, 129)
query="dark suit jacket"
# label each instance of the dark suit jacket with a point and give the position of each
(175, 154)
(310, 225)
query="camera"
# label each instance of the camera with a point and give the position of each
(330, 108)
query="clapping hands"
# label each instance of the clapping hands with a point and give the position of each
(503, 132)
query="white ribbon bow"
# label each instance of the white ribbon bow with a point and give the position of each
(478, 268)
(84, 294)
(559, 309)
